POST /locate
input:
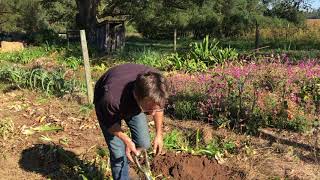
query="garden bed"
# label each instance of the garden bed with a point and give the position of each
(248, 121)
(35, 157)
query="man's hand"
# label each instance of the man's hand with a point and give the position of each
(157, 145)
(130, 147)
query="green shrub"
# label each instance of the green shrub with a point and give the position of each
(298, 124)
(310, 91)
(224, 54)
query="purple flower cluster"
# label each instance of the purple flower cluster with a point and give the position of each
(234, 90)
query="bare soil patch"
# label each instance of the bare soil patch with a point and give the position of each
(189, 167)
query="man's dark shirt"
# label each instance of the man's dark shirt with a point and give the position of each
(113, 93)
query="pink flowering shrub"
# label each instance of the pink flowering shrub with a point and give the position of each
(251, 95)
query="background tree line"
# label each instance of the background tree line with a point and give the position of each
(153, 18)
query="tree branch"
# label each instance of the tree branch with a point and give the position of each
(5, 12)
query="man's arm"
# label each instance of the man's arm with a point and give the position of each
(116, 130)
(158, 141)
(158, 120)
(130, 146)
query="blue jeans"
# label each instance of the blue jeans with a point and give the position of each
(140, 136)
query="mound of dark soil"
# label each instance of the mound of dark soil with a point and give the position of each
(190, 167)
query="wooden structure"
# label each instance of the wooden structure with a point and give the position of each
(110, 33)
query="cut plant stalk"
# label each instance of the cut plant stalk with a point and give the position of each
(43, 128)
(144, 169)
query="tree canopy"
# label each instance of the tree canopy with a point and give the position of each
(153, 18)
(36, 15)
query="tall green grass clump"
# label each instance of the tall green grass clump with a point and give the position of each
(25, 56)
(148, 57)
(51, 82)
(209, 52)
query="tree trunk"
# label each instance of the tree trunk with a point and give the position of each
(123, 35)
(86, 17)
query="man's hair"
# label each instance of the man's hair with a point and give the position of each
(151, 85)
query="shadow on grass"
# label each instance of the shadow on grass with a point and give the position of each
(310, 158)
(53, 162)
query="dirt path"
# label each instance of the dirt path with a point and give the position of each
(27, 109)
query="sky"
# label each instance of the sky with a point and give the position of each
(315, 4)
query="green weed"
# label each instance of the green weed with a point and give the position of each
(42, 99)
(176, 140)
(86, 108)
(72, 62)
(101, 162)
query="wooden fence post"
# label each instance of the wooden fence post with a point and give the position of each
(86, 65)
(175, 40)
(257, 39)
